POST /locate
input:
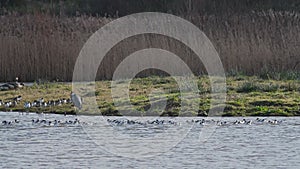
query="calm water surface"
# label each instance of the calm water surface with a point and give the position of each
(29, 145)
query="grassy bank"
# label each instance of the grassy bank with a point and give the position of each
(246, 96)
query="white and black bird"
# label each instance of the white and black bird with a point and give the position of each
(76, 100)
(41, 100)
(17, 84)
(18, 99)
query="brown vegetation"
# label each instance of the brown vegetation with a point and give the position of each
(41, 46)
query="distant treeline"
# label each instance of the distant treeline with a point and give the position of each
(124, 7)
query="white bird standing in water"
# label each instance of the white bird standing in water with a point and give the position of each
(76, 100)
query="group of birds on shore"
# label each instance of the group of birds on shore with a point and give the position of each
(12, 103)
(36, 103)
(42, 103)
(74, 99)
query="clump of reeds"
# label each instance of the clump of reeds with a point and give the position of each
(42, 46)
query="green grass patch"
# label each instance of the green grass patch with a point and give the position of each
(246, 96)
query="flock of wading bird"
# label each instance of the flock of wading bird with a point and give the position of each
(74, 99)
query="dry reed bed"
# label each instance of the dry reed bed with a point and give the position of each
(41, 46)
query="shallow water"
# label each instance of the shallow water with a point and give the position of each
(260, 145)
